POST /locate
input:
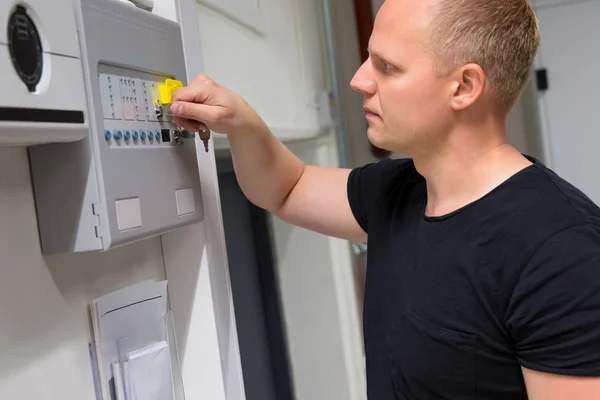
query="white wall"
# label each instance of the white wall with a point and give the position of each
(43, 301)
(44, 321)
(279, 72)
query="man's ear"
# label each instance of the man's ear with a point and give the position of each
(468, 84)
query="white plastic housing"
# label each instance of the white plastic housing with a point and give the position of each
(55, 111)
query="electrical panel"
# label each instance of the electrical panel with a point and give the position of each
(135, 176)
(42, 95)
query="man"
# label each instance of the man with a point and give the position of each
(483, 267)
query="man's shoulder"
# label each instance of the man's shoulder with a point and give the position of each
(386, 172)
(369, 184)
(573, 198)
(576, 214)
(389, 164)
(557, 286)
(540, 206)
(545, 195)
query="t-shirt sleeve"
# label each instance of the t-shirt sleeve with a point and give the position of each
(367, 183)
(554, 312)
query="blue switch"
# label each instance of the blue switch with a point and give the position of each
(127, 135)
(143, 135)
(107, 134)
(135, 135)
(117, 135)
(157, 135)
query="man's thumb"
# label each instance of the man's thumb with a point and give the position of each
(194, 111)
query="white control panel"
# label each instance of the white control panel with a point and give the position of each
(129, 109)
(124, 97)
(135, 176)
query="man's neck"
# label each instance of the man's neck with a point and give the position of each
(467, 167)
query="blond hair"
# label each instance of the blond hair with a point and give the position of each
(501, 36)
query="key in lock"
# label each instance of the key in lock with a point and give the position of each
(204, 136)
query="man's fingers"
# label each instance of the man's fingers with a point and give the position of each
(201, 102)
(199, 91)
(187, 110)
(201, 78)
(196, 93)
(199, 112)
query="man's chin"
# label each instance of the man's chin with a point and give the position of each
(384, 143)
(378, 140)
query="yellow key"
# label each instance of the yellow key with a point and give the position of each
(166, 90)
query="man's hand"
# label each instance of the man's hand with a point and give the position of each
(207, 104)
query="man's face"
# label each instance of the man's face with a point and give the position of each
(406, 105)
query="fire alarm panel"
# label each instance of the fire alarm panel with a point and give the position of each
(135, 176)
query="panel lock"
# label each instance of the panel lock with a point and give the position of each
(177, 136)
(158, 109)
(180, 134)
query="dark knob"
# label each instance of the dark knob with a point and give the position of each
(25, 48)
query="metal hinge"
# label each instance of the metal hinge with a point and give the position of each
(96, 213)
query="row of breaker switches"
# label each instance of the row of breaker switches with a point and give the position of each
(135, 135)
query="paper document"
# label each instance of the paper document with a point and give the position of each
(149, 371)
(131, 343)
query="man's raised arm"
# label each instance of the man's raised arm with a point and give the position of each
(269, 174)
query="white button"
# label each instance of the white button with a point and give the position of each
(129, 214)
(185, 201)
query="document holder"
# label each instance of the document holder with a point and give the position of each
(141, 364)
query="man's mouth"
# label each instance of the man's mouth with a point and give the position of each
(370, 113)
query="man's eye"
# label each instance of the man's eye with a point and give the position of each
(385, 65)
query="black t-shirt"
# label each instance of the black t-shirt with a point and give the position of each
(455, 305)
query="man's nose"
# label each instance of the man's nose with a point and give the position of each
(362, 81)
